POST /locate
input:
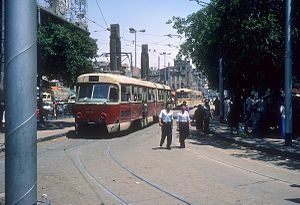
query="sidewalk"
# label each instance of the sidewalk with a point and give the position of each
(273, 146)
(48, 130)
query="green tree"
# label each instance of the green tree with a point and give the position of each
(65, 52)
(249, 35)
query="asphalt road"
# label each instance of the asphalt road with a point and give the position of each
(132, 169)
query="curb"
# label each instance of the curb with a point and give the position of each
(43, 139)
(267, 149)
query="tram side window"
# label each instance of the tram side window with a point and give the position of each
(140, 94)
(113, 94)
(166, 96)
(135, 93)
(169, 95)
(125, 93)
(150, 94)
(145, 94)
(160, 95)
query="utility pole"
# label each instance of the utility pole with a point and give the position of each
(20, 102)
(221, 88)
(2, 44)
(288, 76)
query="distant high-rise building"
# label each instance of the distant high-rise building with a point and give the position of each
(145, 62)
(115, 48)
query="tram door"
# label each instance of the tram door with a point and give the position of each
(125, 105)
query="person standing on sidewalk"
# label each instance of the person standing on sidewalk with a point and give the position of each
(207, 116)
(198, 116)
(183, 125)
(166, 123)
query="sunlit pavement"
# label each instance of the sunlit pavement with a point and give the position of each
(85, 170)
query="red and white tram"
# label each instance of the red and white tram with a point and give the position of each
(115, 102)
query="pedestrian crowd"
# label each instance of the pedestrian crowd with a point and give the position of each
(257, 115)
(183, 122)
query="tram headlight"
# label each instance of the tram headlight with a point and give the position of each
(79, 115)
(103, 116)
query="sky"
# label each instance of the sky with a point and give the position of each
(150, 15)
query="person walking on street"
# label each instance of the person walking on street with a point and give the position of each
(183, 125)
(187, 108)
(166, 123)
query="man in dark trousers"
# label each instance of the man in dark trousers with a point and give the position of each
(183, 125)
(199, 116)
(166, 123)
(217, 106)
(207, 116)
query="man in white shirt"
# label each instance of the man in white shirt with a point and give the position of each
(166, 123)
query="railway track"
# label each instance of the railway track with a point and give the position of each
(118, 169)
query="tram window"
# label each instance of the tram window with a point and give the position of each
(182, 95)
(135, 93)
(85, 93)
(100, 92)
(150, 94)
(160, 95)
(155, 95)
(113, 94)
(125, 93)
(140, 94)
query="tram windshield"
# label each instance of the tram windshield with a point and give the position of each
(93, 92)
(182, 95)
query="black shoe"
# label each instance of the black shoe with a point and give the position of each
(168, 148)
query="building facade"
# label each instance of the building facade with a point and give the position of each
(181, 75)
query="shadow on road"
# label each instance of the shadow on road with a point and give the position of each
(245, 152)
(295, 200)
(94, 133)
(54, 125)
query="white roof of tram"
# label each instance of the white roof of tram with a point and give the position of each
(118, 79)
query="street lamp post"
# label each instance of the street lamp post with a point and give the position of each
(132, 30)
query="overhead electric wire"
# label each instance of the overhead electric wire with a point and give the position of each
(102, 14)
(96, 23)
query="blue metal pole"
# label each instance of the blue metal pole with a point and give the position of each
(221, 89)
(20, 102)
(288, 76)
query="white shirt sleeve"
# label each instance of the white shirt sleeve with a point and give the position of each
(160, 114)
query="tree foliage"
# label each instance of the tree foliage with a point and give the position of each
(248, 35)
(65, 52)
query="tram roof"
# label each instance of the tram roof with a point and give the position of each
(183, 90)
(116, 78)
(188, 90)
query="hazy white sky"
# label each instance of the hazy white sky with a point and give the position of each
(150, 15)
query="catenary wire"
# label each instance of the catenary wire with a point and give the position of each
(102, 14)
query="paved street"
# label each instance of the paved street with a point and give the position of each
(132, 169)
